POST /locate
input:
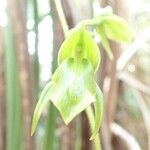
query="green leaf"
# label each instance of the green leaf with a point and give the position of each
(117, 29)
(104, 41)
(80, 44)
(98, 111)
(74, 88)
(44, 98)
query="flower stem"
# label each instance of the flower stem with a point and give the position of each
(62, 17)
(91, 119)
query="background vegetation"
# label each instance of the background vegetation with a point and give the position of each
(30, 37)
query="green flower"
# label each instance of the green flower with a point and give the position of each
(72, 89)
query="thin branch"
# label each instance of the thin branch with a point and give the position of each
(133, 82)
(62, 17)
(145, 113)
(125, 136)
(138, 85)
(132, 49)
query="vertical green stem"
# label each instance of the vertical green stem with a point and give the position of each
(78, 140)
(36, 58)
(13, 97)
(91, 119)
(49, 138)
(62, 17)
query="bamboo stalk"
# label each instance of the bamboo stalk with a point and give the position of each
(13, 99)
(2, 94)
(49, 137)
(18, 17)
(35, 57)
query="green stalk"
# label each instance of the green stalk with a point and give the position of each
(62, 17)
(91, 119)
(49, 138)
(35, 57)
(13, 95)
(78, 140)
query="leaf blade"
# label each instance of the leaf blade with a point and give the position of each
(44, 98)
(98, 112)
